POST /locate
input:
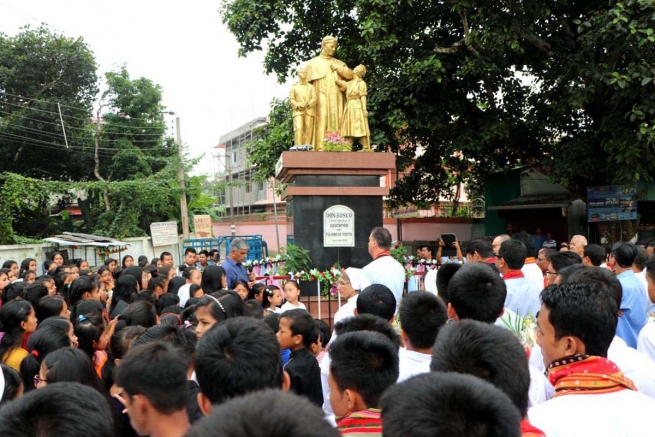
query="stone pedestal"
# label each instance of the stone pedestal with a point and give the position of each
(321, 180)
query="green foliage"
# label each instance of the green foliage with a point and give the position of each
(48, 69)
(297, 259)
(271, 140)
(463, 89)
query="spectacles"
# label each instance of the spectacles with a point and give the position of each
(551, 273)
(38, 380)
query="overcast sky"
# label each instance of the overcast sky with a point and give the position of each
(181, 45)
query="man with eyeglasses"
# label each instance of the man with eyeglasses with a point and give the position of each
(559, 261)
(543, 258)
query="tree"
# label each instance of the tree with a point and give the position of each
(464, 88)
(40, 72)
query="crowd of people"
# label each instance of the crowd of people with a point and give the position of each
(203, 349)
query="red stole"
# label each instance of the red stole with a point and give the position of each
(586, 374)
(512, 274)
(527, 430)
(381, 254)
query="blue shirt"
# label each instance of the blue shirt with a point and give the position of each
(633, 304)
(234, 271)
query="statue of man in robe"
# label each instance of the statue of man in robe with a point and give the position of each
(322, 72)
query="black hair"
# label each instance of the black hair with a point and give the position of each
(145, 295)
(366, 362)
(69, 364)
(154, 261)
(12, 384)
(514, 253)
(79, 287)
(42, 342)
(471, 347)
(624, 254)
(204, 252)
(84, 307)
(190, 250)
(301, 323)
(592, 275)
(568, 271)
(8, 264)
(269, 291)
(142, 261)
(60, 322)
(126, 287)
(212, 279)
(641, 258)
(166, 388)
(448, 404)
(444, 274)
(122, 340)
(165, 254)
(548, 253)
(587, 311)
(193, 290)
(275, 413)
(13, 291)
(324, 332)
(65, 409)
(25, 266)
(650, 267)
(382, 237)
(596, 254)
(175, 284)
(47, 264)
(88, 329)
(141, 313)
(230, 306)
(109, 261)
(165, 300)
(272, 320)
(477, 292)
(565, 259)
(189, 315)
(173, 335)
(237, 357)
(245, 284)
(256, 289)
(254, 309)
(34, 292)
(125, 259)
(378, 300)
(421, 317)
(527, 241)
(482, 246)
(186, 274)
(157, 281)
(12, 314)
(368, 322)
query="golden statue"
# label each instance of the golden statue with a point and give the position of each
(322, 72)
(302, 100)
(354, 122)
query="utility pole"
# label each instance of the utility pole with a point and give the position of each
(180, 174)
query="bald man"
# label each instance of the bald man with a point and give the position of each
(577, 244)
(498, 241)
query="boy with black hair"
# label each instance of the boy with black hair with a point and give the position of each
(476, 292)
(155, 400)
(576, 325)
(448, 405)
(530, 268)
(488, 352)
(62, 409)
(421, 317)
(558, 262)
(297, 332)
(237, 357)
(480, 250)
(363, 365)
(522, 293)
(444, 274)
(376, 299)
(190, 260)
(594, 255)
(269, 413)
(634, 303)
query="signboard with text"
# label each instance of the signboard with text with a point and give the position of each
(338, 227)
(163, 233)
(609, 203)
(203, 226)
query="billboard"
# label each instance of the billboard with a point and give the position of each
(609, 203)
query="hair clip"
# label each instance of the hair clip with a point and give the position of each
(219, 303)
(81, 318)
(35, 353)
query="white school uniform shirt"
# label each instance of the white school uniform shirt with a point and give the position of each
(387, 271)
(522, 296)
(288, 306)
(347, 310)
(324, 365)
(646, 339)
(625, 413)
(411, 363)
(634, 365)
(430, 282)
(184, 294)
(540, 388)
